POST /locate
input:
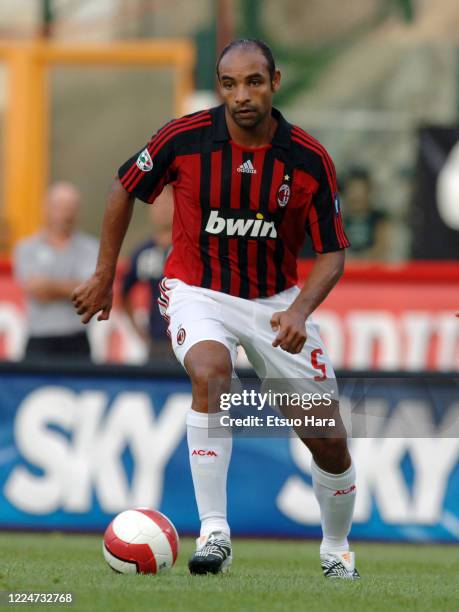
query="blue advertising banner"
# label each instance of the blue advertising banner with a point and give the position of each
(76, 449)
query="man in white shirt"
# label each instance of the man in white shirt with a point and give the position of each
(49, 265)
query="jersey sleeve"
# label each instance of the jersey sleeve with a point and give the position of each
(147, 172)
(325, 222)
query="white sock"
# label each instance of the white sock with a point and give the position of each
(210, 454)
(336, 496)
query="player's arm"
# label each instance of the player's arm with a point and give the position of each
(325, 273)
(96, 294)
(142, 176)
(325, 227)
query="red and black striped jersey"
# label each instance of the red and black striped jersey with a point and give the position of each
(240, 214)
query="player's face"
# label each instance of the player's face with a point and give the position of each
(246, 86)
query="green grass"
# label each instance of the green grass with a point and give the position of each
(266, 575)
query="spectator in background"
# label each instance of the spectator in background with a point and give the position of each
(146, 267)
(49, 265)
(366, 227)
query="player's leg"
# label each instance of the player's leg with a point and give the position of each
(332, 470)
(209, 366)
(333, 480)
(333, 473)
(207, 351)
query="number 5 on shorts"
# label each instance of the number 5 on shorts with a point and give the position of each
(318, 366)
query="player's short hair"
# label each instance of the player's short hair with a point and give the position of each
(246, 43)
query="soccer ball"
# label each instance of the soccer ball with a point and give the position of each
(140, 541)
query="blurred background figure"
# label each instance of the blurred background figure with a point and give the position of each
(367, 227)
(145, 269)
(49, 265)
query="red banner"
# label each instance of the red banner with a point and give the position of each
(393, 317)
(378, 317)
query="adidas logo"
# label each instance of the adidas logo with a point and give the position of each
(247, 167)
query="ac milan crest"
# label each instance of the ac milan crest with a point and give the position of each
(283, 195)
(181, 335)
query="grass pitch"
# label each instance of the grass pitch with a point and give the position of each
(266, 575)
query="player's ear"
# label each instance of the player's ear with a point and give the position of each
(275, 83)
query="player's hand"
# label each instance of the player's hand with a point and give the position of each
(91, 297)
(291, 329)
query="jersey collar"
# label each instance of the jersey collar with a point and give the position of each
(281, 136)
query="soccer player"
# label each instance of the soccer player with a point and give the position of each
(248, 186)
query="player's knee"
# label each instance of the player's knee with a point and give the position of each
(210, 374)
(207, 359)
(331, 454)
(209, 381)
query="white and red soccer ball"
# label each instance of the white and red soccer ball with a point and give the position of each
(140, 541)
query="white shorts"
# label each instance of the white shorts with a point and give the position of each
(195, 314)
